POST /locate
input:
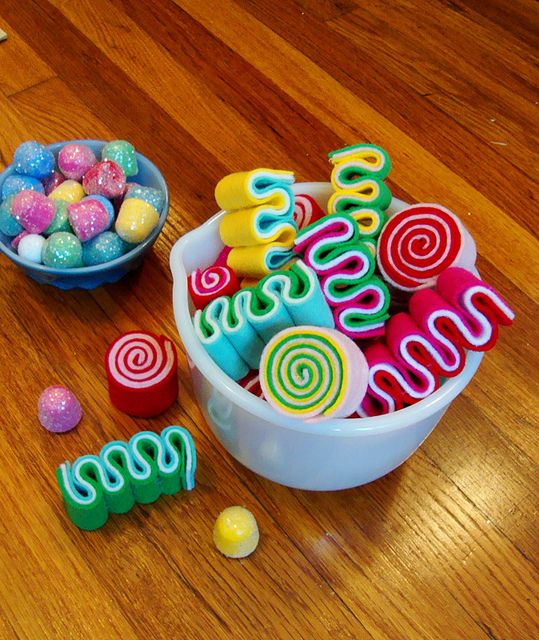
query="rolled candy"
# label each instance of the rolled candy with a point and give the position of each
(259, 260)
(420, 242)
(141, 470)
(142, 373)
(259, 207)
(353, 162)
(365, 315)
(370, 222)
(309, 372)
(306, 210)
(207, 284)
(251, 383)
(368, 193)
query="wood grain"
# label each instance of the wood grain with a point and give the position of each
(445, 547)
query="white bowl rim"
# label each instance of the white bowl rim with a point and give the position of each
(234, 392)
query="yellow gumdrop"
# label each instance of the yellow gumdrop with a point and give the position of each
(235, 533)
(68, 190)
(136, 220)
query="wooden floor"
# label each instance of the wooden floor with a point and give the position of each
(445, 546)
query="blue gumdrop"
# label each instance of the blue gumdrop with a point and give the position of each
(107, 204)
(105, 247)
(153, 196)
(8, 225)
(14, 183)
(33, 159)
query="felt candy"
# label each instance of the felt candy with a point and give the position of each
(420, 242)
(105, 247)
(123, 154)
(136, 220)
(370, 222)
(259, 260)
(306, 210)
(141, 470)
(58, 409)
(88, 218)
(353, 162)
(221, 259)
(62, 250)
(15, 183)
(331, 247)
(210, 283)
(31, 247)
(50, 183)
(235, 532)
(368, 192)
(233, 331)
(142, 373)
(104, 178)
(75, 159)
(33, 159)
(33, 210)
(309, 372)
(251, 383)
(69, 191)
(259, 207)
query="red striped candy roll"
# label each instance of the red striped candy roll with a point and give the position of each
(210, 283)
(306, 210)
(418, 243)
(251, 383)
(142, 373)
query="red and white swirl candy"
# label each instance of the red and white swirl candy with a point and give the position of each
(208, 284)
(142, 373)
(421, 241)
(306, 210)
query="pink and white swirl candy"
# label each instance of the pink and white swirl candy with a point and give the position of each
(210, 283)
(306, 210)
(421, 241)
(142, 373)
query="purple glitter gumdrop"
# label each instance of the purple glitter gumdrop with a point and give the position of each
(58, 409)
(75, 159)
(50, 183)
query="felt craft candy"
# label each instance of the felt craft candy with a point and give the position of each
(259, 207)
(141, 470)
(261, 259)
(306, 210)
(234, 330)
(350, 163)
(331, 247)
(419, 242)
(207, 284)
(368, 192)
(309, 372)
(235, 533)
(142, 373)
(251, 383)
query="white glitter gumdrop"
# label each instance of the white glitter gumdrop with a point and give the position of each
(31, 246)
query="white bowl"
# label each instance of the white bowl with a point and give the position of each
(328, 455)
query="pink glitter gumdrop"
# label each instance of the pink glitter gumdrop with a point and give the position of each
(58, 410)
(50, 183)
(33, 210)
(105, 178)
(74, 160)
(88, 218)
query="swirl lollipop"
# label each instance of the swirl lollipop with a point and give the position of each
(308, 372)
(420, 242)
(208, 284)
(142, 373)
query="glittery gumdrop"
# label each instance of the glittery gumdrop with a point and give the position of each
(136, 220)
(105, 179)
(62, 250)
(17, 239)
(106, 203)
(235, 532)
(150, 195)
(31, 247)
(33, 159)
(105, 247)
(60, 222)
(88, 218)
(69, 190)
(123, 154)
(13, 184)
(33, 210)
(53, 181)
(8, 225)
(75, 159)
(58, 409)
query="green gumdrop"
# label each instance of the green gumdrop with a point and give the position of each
(62, 250)
(122, 153)
(60, 222)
